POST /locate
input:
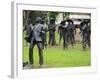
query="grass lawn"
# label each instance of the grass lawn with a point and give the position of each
(57, 57)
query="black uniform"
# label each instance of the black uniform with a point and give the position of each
(85, 28)
(60, 31)
(63, 28)
(52, 29)
(71, 33)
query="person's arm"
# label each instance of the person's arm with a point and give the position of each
(52, 28)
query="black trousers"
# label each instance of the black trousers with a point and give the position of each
(52, 40)
(86, 40)
(70, 38)
(40, 49)
(44, 41)
(65, 43)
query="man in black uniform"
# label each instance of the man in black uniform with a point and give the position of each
(71, 32)
(63, 28)
(85, 28)
(52, 29)
(36, 38)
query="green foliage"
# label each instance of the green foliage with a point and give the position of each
(46, 15)
(53, 14)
